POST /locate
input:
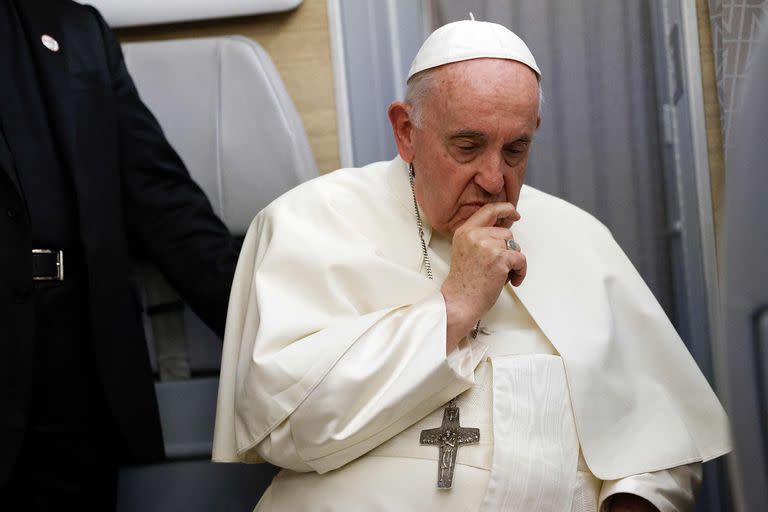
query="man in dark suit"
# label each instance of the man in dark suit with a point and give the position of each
(87, 176)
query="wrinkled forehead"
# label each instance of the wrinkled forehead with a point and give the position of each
(489, 71)
(510, 84)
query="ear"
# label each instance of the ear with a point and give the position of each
(538, 122)
(399, 114)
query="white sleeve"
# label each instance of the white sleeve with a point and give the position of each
(394, 374)
(669, 490)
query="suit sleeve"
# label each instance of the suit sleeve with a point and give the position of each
(169, 218)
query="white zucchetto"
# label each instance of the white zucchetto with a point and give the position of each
(470, 39)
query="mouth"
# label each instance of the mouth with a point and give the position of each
(466, 210)
(474, 204)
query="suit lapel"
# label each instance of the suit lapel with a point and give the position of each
(41, 17)
(6, 163)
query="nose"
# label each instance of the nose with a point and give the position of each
(490, 178)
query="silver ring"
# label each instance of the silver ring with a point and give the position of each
(512, 245)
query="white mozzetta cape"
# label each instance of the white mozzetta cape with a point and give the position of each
(340, 256)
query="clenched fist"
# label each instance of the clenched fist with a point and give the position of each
(481, 265)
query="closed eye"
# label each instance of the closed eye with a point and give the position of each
(515, 152)
(518, 146)
(467, 140)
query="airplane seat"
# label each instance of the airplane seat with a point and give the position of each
(225, 110)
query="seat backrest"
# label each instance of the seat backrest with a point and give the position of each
(224, 108)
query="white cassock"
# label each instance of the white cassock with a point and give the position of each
(334, 362)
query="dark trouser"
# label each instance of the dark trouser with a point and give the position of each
(67, 460)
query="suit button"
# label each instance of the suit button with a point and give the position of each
(12, 213)
(22, 294)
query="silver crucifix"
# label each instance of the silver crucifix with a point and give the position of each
(448, 438)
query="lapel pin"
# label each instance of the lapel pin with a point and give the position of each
(50, 43)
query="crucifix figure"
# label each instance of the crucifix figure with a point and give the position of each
(448, 438)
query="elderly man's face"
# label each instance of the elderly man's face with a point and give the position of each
(472, 146)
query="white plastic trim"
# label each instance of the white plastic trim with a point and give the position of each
(126, 13)
(394, 41)
(690, 35)
(341, 89)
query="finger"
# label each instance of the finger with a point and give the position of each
(518, 267)
(491, 213)
(495, 233)
(516, 279)
(506, 222)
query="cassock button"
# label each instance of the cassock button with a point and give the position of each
(50, 43)
(12, 213)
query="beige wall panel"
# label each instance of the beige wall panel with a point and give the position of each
(712, 118)
(299, 44)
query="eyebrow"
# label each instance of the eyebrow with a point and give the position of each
(467, 134)
(472, 134)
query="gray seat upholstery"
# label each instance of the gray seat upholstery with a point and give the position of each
(225, 110)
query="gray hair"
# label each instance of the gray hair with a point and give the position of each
(418, 88)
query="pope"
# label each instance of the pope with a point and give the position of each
(431, 334)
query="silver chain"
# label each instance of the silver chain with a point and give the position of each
(420, 225)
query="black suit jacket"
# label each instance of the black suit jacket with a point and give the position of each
(133, 195)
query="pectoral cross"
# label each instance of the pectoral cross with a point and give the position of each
(448, 438)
